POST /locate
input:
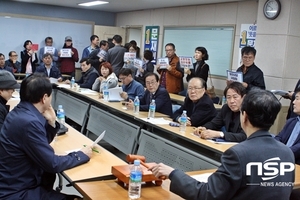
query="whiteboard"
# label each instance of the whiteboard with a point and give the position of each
(218, 42)
(16, 30)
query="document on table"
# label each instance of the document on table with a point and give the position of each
(202, 177)
(53, 80)
(63, 85)
(88, 91)
(114, 94)
(160, 120)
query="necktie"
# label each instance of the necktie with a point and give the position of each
(294, 134)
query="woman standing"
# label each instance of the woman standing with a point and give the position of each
(67, 64)
(201, 68)
(108, 77)
(29, 58)
(147, 67)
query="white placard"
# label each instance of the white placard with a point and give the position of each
(65, 53)
(186, 62)
(163, 63)
(129, 56)
(235, 76)
(102, 54)
(48, 49)
(138, 63)
(114, 94)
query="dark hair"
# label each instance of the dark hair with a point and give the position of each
(26, 43)
(202, 81)
(117, 38)
(237, 87)
(133, 46)
(148, 55)
(48, 38)
(106, 65)
(9, 54)
(261, 107)
(47, 54)
(203, 51)
(126, 46)
(125, 71)
(103, 43)
(85, 60)
(133, 42)
(170, 44)
(297, 90)
(1, 54)
(152, 74)
(247, 50)
(93, 37)
(34, 87)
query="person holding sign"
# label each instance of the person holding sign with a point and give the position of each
(146, 67)
(129, 59)
(29, 58)
(252, 75)
(68, 55)
(171, 76)
(99, 55)
(48, 49)
(200, 67)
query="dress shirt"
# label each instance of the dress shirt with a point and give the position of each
(294, 134)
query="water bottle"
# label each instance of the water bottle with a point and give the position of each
(183, 121)
(61, 115)
(72, 83)
(136, 103)
(135, 181)
(105, 92)
(152, 107)
(223, 100)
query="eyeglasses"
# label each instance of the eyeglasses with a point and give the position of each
(122, 78)
(14, 55)
(248, 57)
(151, 83)
(194, 88)
(169, 50)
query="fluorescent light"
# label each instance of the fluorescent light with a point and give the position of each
(93, 3)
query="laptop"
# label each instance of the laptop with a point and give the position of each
(114, 94)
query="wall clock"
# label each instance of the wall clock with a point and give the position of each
(272, 9)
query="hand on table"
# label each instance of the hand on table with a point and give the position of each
(160, 170)
(87, 150)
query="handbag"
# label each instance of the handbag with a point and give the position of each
(211, 91)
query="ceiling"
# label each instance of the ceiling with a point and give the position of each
(127, 5)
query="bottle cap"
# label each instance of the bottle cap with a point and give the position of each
(153, 100)
(184, 111)
(59, 106)
(136, 162)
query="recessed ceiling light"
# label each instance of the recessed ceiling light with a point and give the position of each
(93, 3)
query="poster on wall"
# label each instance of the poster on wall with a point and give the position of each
(247, 38)
(151, 40)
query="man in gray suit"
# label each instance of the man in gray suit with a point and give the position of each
(258, 168)
(115, 55)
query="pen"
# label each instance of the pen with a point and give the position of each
(93, 149)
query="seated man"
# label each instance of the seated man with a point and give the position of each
(154, 91)
(89, 74)
(228, 117)
(27, 161)
(13, 62)
(199, 107)
(289, 135)
(49, 68)
(3, 66)
(241, 174)
(8, 84)
(131, 88)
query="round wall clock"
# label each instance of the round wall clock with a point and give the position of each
(272, 9)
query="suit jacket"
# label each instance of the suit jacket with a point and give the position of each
(236, 134)
(230, 180)
(174, 83)
(284, 136)
(149, 67)
(162, 101)
(291, 113)
(54, 71)
(201, 72)
(115, 56)
(3, 110)
(199, 112)
(24, 59)
(254, 77)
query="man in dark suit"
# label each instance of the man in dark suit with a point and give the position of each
(291, 95)
(244, 172)
(154, 91)
(290, 134)
(48, 67)
(199, 107)
(228, 117)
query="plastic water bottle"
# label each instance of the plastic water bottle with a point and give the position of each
(72, 83)
(183, 121)
(135, 181)
(61, 115)
(105, 92)
(223, 100)
(136, 108)
(152, 107)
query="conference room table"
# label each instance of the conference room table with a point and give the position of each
(113, 190)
